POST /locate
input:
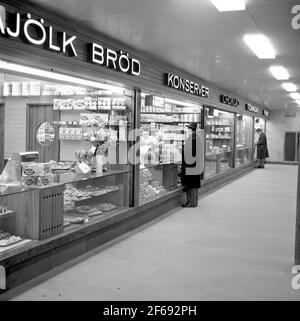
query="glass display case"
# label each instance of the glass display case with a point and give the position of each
(219, 128)
(163, 133)
(30, 213)
(75, 169)
(244, 140)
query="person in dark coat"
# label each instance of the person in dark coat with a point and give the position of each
(192, 165)
(262, 148)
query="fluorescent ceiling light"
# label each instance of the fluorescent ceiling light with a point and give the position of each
(295, 96)
(260, 45)
(290, 87)
(229, 5)
(279, 72)
(7, 66)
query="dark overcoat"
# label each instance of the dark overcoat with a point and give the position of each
(262, 147)
(189, 150)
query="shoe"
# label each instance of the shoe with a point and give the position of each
(186, 205)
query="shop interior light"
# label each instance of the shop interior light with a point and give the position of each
(290, 87)
(260, 45)
(7, 66)
(279, 72)
(229, 5)
(295, 96)
(180, 103)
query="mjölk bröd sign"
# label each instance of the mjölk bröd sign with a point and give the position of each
(35, 32)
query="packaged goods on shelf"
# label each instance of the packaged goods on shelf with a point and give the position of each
(3, 209)
(70, 133)
(36, 169)
(90, 119)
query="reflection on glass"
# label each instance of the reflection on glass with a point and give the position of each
(244, 134)
(163, 132)
(219, 141)
(45, 134)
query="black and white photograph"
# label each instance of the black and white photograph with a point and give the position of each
(149, 154)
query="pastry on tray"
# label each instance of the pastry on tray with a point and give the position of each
(106, 207)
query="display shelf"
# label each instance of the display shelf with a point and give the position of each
(168, 113)
(7, 214)
(93, 197)
(219, 138)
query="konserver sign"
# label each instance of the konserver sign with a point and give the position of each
(186, 85)
(35, 32)
(251, 108)
(229, 101)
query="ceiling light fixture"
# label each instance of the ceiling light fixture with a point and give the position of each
(7, 66)
(295, 96)
(290, 87)
(279, 72)
(229, 5)
(260, 45)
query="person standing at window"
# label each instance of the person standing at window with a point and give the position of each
(262, 148)
(192, 165)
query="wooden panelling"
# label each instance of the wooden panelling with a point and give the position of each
(26, 207)
(15, 125)
(36, 115)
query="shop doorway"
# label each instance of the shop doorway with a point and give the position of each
(41, 135)
(1, 137)
(291, 146)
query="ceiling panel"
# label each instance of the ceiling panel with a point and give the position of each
(193, 36)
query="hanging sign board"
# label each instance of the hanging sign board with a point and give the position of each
(186, 85)
(229, 101)
(36, 32)
(251, 108)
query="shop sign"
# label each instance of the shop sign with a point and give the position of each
(35, 32)
(186, 85)
(229, 101)
(251, 108)
(266, 113)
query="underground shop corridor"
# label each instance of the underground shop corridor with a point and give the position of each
(222, 250)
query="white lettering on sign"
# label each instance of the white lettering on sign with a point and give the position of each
(186, 85)
(34, 31)
(112, 59)
(296, 18)
(251, 108)
(229, 101)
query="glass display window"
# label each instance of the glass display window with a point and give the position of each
(219, 129)
(244, 140)
(163, 132)
(66, 140)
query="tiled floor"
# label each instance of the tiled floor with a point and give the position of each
(238, 244)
